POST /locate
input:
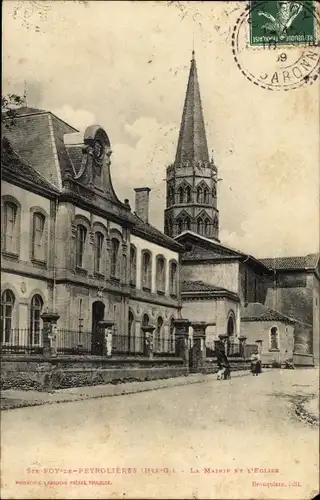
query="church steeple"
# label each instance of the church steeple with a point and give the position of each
(192, 178)
(192, 143)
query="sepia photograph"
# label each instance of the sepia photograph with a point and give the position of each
(160, 249)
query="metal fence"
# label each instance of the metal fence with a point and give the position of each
(73, 342)
(21, 341)
(232, 349)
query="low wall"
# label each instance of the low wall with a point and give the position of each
(39, 373)
(303, 359)
(211, 364)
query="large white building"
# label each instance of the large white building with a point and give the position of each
(69, 245)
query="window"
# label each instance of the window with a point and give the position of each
(207, 227)
(35, 319)
(188, 194)
(133, 265)
(274, 338)
(115, 258)
(171, 335)
(145, 320)
(146, 270)
(200, 226)
(206, 195)
(158, 336)
(170, 196)
(173, 279)
(160, 274)
(81, 242)
(199, 195)
(10, 227)
(181, 195)
(98, 248)
(7, 305)
(38, 250)
(180, 226)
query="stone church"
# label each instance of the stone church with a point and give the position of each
(274, 302)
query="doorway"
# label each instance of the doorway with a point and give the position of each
(97, 333)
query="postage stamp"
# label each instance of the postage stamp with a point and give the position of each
(283, 22)
(288, 57)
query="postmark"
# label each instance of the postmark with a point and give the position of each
(281, 61)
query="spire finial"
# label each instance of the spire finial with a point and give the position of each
(193, 46)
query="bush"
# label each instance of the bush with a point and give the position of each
(275, 364)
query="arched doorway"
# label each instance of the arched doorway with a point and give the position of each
(97, 333)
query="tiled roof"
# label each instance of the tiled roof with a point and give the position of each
(150, 232)
(255, 311)
(203, 248)
(26, 110)
(282, 263)
(207, 254)
(200, 286)
(13, 166)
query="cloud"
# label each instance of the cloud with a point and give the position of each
(145, 163)
(78, 118)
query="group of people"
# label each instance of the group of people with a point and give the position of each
(224, 369)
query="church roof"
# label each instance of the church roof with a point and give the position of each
(309, 261)
(255, 311)
(196, 288)
(207, 249)
(192, 143)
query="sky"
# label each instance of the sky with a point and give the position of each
(125, 65)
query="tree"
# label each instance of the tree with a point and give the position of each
(9, 105)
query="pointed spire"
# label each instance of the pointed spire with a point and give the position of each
(192, 143)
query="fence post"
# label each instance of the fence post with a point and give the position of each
(49, 333)
(106, 327)
(242, 340)
(148, 340)
(199, 342)
(181, 338)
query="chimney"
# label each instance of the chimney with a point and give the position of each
(142, 203)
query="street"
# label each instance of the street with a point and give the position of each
(196, 441)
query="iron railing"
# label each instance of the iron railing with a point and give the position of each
(232, 349)
(21, 341)
(72, 342)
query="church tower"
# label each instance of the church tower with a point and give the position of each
(192, 178)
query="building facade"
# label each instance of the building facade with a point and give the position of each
(71, 246)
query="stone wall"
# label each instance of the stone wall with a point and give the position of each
(224, 274)
(303, 360)
(38, 373)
